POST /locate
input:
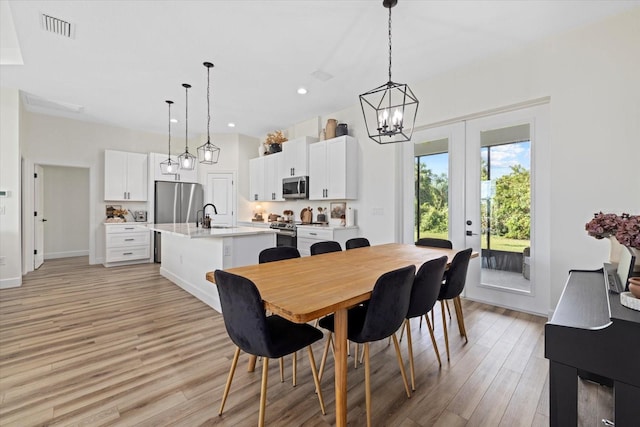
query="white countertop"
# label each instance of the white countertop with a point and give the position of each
(191, 231)
(327, 226)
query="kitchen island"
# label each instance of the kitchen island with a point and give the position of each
(189, 252)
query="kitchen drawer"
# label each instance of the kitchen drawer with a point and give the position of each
(124, 228)
(316, 233)
(127, 239)
(304, 245)
(127, 254)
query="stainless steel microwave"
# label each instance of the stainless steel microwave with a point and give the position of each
(295, 187)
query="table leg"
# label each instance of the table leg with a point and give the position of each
(340, 325)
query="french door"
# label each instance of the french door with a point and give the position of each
(498, 202)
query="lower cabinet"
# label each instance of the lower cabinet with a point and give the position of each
(308, 235)
(126, 244)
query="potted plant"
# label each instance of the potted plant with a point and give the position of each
(620, 229)
(273, 141)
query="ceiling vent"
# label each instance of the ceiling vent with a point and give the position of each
(57, 26)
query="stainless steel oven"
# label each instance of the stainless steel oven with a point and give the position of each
(286, 235)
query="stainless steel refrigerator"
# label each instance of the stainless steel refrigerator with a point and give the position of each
(175, 202)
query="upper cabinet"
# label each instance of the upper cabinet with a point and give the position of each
(182, 175)
(265, 181)
(125, 176)
(295, 156)
(333, 169)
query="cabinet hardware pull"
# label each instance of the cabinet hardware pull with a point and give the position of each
(314, 234)
(127, 253)
(129, 240)
(128, 228)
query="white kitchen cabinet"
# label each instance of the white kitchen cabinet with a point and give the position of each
(295, 156)
(310, 234)
(125, 176)
(128, 243)
(333, 169)
(265, 181)
(182, 175)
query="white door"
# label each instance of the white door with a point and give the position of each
(502, 222)
(221, 193)
(38, 220)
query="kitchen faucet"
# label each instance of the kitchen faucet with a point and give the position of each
(215, 212)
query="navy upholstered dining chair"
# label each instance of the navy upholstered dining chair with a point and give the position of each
(435, 243)
(454, 280)
(325, 247)
(357, 242)
(424, 295)
(278, 253)
(379, 319)
(257, 334)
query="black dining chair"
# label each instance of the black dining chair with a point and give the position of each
(325, 247)
(435, 243)
(279, 253)
(455, 279)
(424, 294)
(254, 333)
(379, 319)
(357, 242)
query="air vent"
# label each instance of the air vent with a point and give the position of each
(57, 26)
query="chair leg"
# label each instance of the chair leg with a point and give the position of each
(295, 367)
(263, 390)
(316, 380)
(367, 382)
(407, 326)
(401, 364)
(433, 340)
(446, 303)
(355, 358)
(444, 326)
(325, 353)
(281, 360)
(460, 316)
(401, 332)
(227, 386)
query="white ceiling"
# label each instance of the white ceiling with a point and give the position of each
(127, 57)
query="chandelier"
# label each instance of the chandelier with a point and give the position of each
(207, 152)
(169, 167)
(186, 160)
(390, 109)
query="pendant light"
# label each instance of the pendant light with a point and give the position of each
(169, 167)
(390, 109)
(207, 152)
(186, 160)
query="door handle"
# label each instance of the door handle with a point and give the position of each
(469, 233)
(44, 219)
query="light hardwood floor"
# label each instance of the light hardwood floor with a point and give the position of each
(87, 345)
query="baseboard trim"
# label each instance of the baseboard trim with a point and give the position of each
(14, 282)
(209, 297)
(68, 254)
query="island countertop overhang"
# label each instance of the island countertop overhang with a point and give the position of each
(190, 231)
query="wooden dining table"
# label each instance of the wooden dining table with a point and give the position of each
(305, 289)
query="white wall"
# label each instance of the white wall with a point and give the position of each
(66, 208)
(10, 242)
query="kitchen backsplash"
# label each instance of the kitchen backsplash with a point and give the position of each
(297, 206)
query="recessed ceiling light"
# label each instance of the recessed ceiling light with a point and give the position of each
(231, 124)
(174, 120)
(302, 91)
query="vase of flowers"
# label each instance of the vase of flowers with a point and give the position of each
(621, 230)
(273, 142)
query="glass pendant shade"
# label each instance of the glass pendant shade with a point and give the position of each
(169, 166)
(208, 153)
(186, 160)
(389, 110)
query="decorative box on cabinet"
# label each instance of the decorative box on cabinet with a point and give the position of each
(310, 234)
(126, 243)
(125, 176)
(295, 156)
(333, 169)
(182, 175)
(265, 181)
